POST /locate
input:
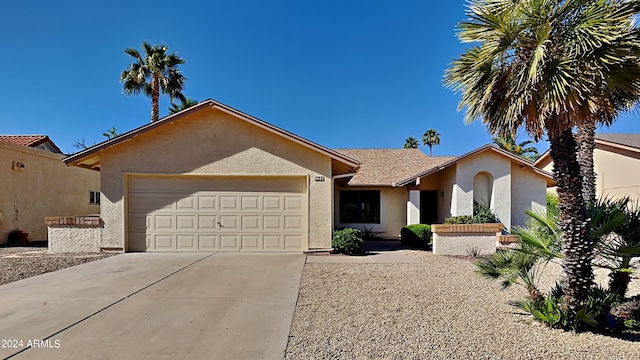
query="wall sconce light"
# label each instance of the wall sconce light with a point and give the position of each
(17, 165)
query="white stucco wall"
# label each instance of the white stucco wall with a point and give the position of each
(463, 244)
(45, 186)
(528, 191)
(74, 239)
(499, 167)
(210, 142)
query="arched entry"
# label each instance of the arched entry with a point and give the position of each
(483, 188)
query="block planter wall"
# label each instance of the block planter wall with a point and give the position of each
(74, 234)
(460, 239)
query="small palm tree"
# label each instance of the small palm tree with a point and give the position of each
(430, 138)
(154, 72)
(550, 66)
(508, 143)
(185, 103)
(411, 143)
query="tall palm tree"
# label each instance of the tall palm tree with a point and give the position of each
(537, 64)
(411, 143)
(154, 72)
(430, 138)
(508, 143)
(185, 103)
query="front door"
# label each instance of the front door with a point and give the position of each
(428, 207)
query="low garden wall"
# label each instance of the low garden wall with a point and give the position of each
(74, 234)
(464, 239)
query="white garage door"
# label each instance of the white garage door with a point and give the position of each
(214, 214)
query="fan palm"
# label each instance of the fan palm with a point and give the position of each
(185, 103)
(154, 72)
(548, 66)
(411, 143)
(430, 138)
(508, 143)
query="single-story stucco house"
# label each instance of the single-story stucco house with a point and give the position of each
(616, 162)
(35, 183)
(211, 178)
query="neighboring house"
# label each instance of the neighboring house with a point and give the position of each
(616, 162)
(211, 178)
(36, 183)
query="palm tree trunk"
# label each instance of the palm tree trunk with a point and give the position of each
(586, 139)
(155, 98)
(576, 244)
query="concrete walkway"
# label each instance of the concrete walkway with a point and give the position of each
(155, 306)
(377, 251)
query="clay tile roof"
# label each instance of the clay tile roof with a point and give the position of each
(385, 167)
(29, 140)
(632, 140)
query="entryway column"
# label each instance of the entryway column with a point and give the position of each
(413, 207)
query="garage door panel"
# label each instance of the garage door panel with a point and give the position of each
(229, 203)
(229, 242)
(207, 202)
(293, 203)
(250, 203)
(207, 242)
(191, 215)
(250, 242)
(293, 222)
(228, 223)
(186, 204)
(272, 242)
(186, 242)
(250, 222)
(186, 222)
(271, 203)
(272, 222)
(164, 242)
(293, 242)
(163, 222)
(207, 222)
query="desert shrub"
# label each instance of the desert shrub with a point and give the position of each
(482, 214)
(460, 219)
(347, 241)
(416, 235)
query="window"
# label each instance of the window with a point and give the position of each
(94, 197)
(360, 206)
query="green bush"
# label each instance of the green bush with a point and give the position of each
(416, 235)
(460, 219)
(482, 214)
(347, 241)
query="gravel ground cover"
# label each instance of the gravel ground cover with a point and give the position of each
(17, 263)
(437, 309)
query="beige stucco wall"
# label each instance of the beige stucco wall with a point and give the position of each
(74, 239)
(393, 211)
(210, 142)
(44, 187)
(528, 191)
(617, 173)
(464, 244)
(499, 167)
(444, 182)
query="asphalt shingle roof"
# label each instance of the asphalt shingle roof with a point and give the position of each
(632, 140)
(385, 167)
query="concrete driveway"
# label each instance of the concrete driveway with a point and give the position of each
(154, 306)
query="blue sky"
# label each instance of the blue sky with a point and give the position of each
(359, 74)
